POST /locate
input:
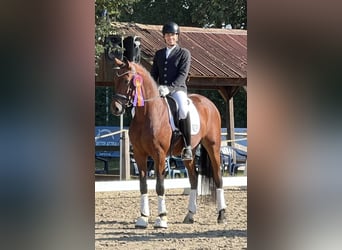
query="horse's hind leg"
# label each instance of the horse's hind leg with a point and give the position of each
(214, 156)
(192, 206)
(220, 200)
(221, 206)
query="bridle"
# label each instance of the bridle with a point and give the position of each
(125, 100)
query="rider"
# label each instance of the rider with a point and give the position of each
(170, 69)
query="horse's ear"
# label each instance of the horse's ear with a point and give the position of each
(125, 61)
(118, 64)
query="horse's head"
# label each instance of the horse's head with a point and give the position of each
(123, 86)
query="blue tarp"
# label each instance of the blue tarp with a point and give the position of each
(113, 140)
(115, 154)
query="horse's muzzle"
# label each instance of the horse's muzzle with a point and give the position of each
(117, 108)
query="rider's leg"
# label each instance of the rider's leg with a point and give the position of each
(185, 127)
(184, 122)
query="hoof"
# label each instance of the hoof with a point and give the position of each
(161, 222)
(142, 222)
(221, 219)
(189, 218)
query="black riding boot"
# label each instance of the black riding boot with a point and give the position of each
(185, 128)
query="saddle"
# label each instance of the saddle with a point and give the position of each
(174, 117)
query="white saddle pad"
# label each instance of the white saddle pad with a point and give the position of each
(194, 117)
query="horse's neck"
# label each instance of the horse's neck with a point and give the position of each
(153, 103)
(150, 93)
(149, 86)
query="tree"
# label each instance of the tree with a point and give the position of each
(107, 11)
(196, 13)
(240, 108)
(160, 12)
(219, 13)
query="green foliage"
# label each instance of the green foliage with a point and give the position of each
(240, 109)
(197, 13)
(106, 12)
(160, 12)
(216, 13)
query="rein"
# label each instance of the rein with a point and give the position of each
(152, 98)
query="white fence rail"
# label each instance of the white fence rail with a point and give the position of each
(133, 185)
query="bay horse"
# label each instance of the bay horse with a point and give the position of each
(150, 134)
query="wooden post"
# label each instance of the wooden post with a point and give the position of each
(232, 124)
(228, 124)
(125, 161)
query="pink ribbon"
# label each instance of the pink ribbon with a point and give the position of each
(138, 97)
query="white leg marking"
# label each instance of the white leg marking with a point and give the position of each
(221, 204)
(144, 207)
(161, 205)
(192, 207)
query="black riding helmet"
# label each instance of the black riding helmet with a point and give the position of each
(170, 27)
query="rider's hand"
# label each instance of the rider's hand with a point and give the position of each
(163, 90)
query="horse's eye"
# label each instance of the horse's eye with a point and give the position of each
(126, 81)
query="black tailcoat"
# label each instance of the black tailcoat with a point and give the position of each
(172, 71)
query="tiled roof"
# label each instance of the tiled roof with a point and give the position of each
(216, 53)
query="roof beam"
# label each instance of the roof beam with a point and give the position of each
(211, 82)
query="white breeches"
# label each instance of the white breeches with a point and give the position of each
(182, 99)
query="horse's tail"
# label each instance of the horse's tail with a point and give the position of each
(208, 186)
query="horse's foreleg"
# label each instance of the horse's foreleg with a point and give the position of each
(192, 206)
(161, 220)
(142, 221)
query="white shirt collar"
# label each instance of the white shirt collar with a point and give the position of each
(168, 50)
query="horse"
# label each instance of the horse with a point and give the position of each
(150, 134)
